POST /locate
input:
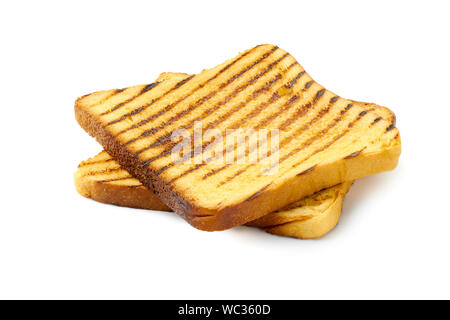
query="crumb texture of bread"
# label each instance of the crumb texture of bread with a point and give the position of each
(324, 139)
(102, 179)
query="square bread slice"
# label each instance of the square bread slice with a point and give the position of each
(324, 139)
(102, 179)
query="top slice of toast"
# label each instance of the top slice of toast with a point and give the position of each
(323, 138)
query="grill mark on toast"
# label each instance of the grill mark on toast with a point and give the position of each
(145, 89)
(145, 106)
(148, 87)
(392, 126)
(88, 163)
(309, 84)
(298, 76)
(376, 120)
(197, 103)
(318, 95)
(334, 99)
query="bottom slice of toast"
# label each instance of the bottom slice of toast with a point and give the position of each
(102, 179)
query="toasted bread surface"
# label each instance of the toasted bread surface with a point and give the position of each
(324, 139)
(102, 179)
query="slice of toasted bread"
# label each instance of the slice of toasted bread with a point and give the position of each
(324, 140)
(102, 179)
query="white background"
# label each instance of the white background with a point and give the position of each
(393, 238)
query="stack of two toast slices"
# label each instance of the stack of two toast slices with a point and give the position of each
(324, 143)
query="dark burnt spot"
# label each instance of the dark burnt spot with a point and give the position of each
(334, 99)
